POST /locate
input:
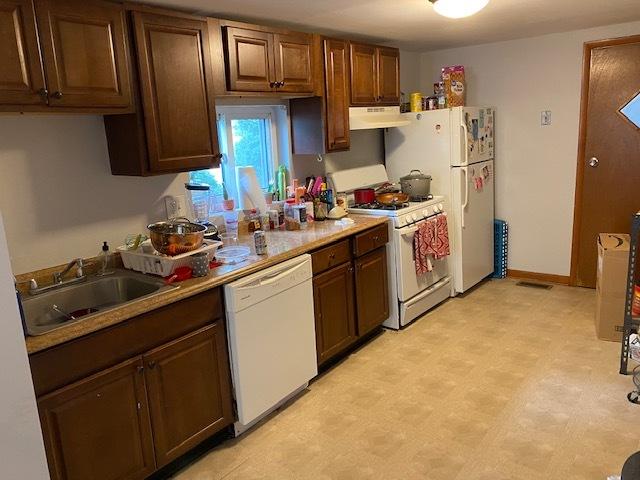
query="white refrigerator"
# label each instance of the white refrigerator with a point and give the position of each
(456, 147)
(22, 453)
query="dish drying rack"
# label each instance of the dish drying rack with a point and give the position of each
(162, 265)
(631, 323)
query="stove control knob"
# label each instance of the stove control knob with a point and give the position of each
(414, 216)
(441, 207)
(425, 212)
(435, 209)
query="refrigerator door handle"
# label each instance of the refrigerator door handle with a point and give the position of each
(465, 189)
(465, 133)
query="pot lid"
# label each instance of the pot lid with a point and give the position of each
(418, 175)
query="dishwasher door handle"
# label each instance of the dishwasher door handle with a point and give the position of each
(272, 278)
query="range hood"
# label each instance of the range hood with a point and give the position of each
(363, 118)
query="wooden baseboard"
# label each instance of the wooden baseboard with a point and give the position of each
(541, 277)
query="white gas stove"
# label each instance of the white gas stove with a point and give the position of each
(411, 295)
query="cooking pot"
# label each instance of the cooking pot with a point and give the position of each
(176, 236)
(364, 195)
(392, 198)
(417, 185)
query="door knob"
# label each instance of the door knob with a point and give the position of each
(593, 162)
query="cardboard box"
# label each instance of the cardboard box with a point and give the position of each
(613, 264)
(609, 317)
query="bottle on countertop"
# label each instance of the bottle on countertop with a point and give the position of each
(105, 259)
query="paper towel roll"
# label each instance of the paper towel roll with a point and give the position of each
(250, 194)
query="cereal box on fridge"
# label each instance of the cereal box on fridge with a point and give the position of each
(454, 85)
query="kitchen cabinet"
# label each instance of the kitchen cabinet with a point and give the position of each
(188, 387)
(334, 311)
(99, 427)
(174, 129)
(80, 47)
(350, 291)
(375, 75)
(372, 295)
(22, 74)
(126, 400)
(259, 59)
(321, 124)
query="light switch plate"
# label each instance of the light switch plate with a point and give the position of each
(545, 118)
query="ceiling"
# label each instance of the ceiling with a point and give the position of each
(413, 25)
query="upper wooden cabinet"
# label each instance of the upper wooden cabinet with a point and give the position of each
(175, 127)
(321, 124)
(259, 59)
(84, 56)
(21, 74)
(375, 75)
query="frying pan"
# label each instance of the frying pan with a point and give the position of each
(393, 198)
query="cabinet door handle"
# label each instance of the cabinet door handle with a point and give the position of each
(375, 239)
(281, 84)
(139, 405)
(152, 364)
(140, 369)
(44, 93)
(57, 95)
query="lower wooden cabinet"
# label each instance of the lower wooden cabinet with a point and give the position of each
(351, 297)
(372, 296)
(99, 427)
(126, 422)
(334, 311)
(189, 391)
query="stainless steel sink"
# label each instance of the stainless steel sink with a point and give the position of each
(54, 309)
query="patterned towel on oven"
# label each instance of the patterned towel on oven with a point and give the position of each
(430, 240)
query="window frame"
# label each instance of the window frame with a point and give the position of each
(225, 115)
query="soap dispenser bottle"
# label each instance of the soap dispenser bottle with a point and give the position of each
(105, 259)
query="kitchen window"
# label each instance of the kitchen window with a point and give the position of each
(248, 136)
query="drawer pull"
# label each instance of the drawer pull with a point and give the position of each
(152, 364)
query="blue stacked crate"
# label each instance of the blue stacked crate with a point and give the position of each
(501, 248)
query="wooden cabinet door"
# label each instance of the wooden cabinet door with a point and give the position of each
(189, 392)
(334, 311)
(99, 427)
(293, 62)
(21, 73)
(176, 80)
(372, 292)
(249, 58)
(336, 67)
(84, 45)
(364, 71)
(388, 76)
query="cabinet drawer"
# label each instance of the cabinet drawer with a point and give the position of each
(330, 256)
(370, 240)
(79, 358)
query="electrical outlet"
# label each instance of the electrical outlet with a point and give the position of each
(175, 206)
(545, 118)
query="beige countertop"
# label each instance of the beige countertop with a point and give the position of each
(282, 245)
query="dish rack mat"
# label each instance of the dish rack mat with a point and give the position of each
(500, 248)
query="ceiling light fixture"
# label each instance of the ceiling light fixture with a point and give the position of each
(458, 8)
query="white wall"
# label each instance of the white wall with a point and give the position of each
(535, 166)
(22, 453)
(57, 194)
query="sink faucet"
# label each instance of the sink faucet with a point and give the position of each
(58, 278)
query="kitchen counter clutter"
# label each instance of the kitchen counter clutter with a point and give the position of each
(282, 246)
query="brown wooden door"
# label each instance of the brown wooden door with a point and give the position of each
(177, 92)
(189, 392)
(249, 57)
(364, 71)
(21, 71)
(336, 66)
(608, 187)
(293, 62)
(334, 311)
(84, 45)
(99, 427)
(372, 293)
(388, 76)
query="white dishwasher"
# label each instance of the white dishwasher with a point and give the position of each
(272, 342)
